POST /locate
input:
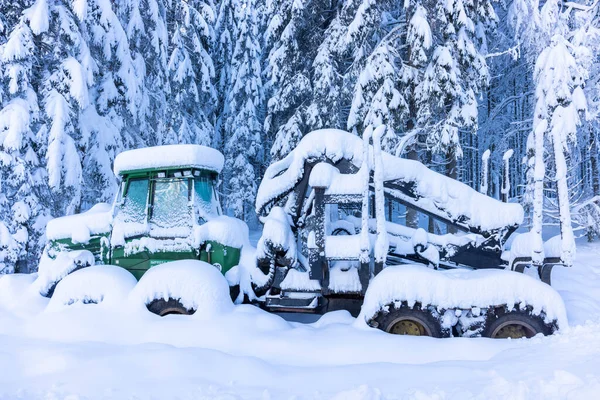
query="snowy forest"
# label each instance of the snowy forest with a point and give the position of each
(503, 96)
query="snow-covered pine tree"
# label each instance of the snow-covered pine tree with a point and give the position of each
(374, 37)
(418, 43)
(457, 71)
(287, 83)
(325, 109)
(192, 98)
(244, 103)
(65, 94)
(144, 22)
(560, 72)
(225, 30)
(113, 120)
(23, 198)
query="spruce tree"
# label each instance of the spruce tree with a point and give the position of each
(192, 98)
(243, 126)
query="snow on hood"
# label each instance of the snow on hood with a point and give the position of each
(225, 230)
(174, 155)
(437, 192)
(79, 227)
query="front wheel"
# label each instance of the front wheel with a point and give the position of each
(514, 324)
(413, 321)
(163, 308)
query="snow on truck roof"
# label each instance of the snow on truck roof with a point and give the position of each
(169, 156)
(437, 192)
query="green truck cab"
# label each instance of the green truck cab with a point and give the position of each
(167, 209)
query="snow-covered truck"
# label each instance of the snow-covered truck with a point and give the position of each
(167, 209)
(334, 238)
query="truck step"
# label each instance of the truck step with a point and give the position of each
(308, 302)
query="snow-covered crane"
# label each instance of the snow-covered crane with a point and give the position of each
(320, 252)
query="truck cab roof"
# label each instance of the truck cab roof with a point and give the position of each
(176, 156)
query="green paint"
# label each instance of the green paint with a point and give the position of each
(224, 257)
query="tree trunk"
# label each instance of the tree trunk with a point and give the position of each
(451, 172)
(566, 230)
(594, 149)
(412, 216)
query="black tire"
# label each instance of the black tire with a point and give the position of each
(267, 264)
(234, 292)
(516, 323)
(341, 232)
(162, 308)
(428, 319)
(267, 267)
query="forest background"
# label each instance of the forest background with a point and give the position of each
(461, 85)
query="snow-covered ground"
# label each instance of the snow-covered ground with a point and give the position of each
(97, 351)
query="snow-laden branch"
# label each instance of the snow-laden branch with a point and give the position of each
(512, 51)
(579, 7)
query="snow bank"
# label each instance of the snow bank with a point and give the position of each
(553, 247)
(196, 284)
(51, 271)
(437, 193)
(225, 230)
(80, 227)
(170, 156)
(18, 295)
(461, 289)
(106, 284)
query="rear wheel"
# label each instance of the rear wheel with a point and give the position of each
(413, 321)
(514, 324)
(162, 308)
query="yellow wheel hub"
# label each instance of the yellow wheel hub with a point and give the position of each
(408, 327)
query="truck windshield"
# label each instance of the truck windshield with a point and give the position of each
(134, 202)
(170, 209)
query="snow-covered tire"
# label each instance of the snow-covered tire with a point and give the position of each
(52, 271)
(266, 266)
(183, 287)
(274, 257)
(162, 308)
(410, 321)
(96, 284)
(516, 323)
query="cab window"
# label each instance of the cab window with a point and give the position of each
(135, 201)
(205, 199)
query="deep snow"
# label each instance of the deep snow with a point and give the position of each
(89, 351)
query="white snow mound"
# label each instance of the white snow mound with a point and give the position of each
(196, 284)
(51, 271)
(80, 227)
(170, 156)
(461, 289)
(100, 284)
(19, 296)
(437, 192)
